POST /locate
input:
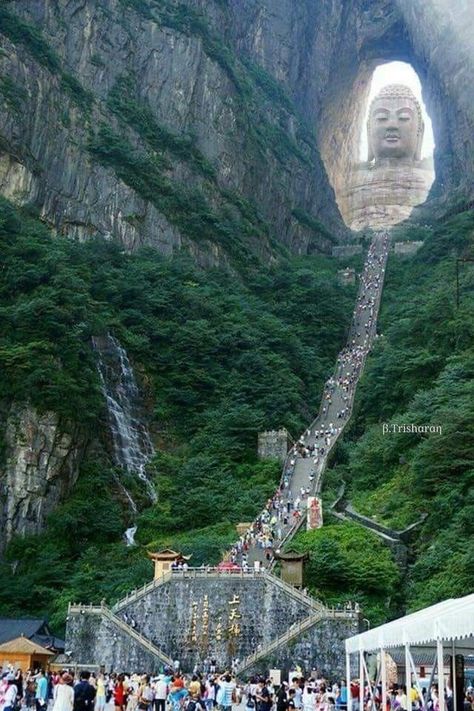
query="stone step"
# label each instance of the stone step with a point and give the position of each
(300, 475)
(290, 634)
(296, 594)
(104, 611)
(140, 592)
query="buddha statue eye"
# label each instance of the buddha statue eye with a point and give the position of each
(404, 117)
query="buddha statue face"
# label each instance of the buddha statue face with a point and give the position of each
(395, 127)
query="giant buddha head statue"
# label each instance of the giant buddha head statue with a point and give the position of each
(395, 127)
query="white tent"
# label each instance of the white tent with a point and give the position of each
(448, 623)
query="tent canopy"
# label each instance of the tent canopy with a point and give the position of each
(451, 620)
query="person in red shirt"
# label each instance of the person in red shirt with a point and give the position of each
(355, 694)
(120, 694)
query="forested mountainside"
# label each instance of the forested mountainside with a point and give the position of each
(219, 359)
(419, 373)
(240, 361)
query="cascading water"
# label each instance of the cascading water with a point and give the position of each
(131, 440)
(130, 535)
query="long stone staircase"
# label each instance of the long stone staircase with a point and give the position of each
(296, 594)
(361, 336)
(292, 633)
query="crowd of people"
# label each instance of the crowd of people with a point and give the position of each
(402, 698)
(305, 460)
(169, 691)
(65, 691)
(172, 691)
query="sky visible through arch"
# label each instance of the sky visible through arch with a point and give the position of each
(398, 73)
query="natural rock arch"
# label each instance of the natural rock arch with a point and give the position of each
(446, 95)
(326, 52)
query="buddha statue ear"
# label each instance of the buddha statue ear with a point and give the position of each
(371, 154)
(419, 140)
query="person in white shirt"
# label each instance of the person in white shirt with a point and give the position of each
(11, 693)
(160, 688)
(308, 698)
(64, 693)
(225, 693)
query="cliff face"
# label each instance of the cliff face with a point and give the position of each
(41, 462)
(442, 52)
(138, 121)
(200, 124)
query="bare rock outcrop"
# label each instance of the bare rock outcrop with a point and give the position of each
(40, 466)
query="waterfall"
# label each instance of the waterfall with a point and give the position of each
(130, 438)
(129, 535)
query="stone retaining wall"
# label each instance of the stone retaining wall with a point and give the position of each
(407, 248)
(319, 648)
(244, 615)
(370, 523)
(95, 640)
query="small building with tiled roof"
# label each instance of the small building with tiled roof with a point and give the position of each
(22, 653)
(165, 559)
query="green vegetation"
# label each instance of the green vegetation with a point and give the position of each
(48, 317)
(225, 354)
(13, 94)
(28, 36)
(421, 372)
(220, 359)
(349, 563)
(158, 137)
(78, 558)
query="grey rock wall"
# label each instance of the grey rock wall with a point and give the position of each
(347, 250)
(165, 615)
(257, 145)
(97, 642)
(40, 467)
(326, 53)
(443, 54)
(273, 444)
(320, 649)
(259, 142)
(406, 248)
